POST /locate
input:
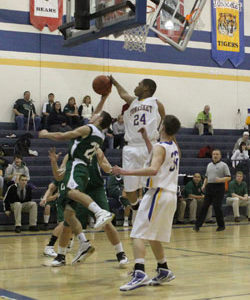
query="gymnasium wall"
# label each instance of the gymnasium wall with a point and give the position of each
(36, 61)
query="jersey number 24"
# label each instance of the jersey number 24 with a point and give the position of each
(138, 119)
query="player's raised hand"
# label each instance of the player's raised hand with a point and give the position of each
(53, 156)
(42, 134)
(112, 79)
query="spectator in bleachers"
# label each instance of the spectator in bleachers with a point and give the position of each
(57, 121)
(21, 109)
(47, 109)
(71, 112)
(14, 170)
(245, 139)
(240, 154)
(86, 109)
(115, 190)
(204, 121)
(18, 199)
(238, 196)
(118, 132)
(194, 196)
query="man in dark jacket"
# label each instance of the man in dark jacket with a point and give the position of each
(18, 199)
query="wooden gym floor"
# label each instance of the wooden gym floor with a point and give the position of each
(208, 265)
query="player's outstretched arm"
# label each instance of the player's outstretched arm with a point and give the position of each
(103, 162)
(148, 143)
(58, 173)
(156, 162)
(100, 105)
(82, 131)
(121, 91)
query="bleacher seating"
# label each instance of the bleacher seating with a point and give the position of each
(41, 174)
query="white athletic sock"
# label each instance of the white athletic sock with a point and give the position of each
(94, 208)
(118, 248)
(62, 250)
(46, 218)
(81, 237)
(162, 261)
(126, 219)
(140, 261)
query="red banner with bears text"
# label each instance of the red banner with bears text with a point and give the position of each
(46, 12)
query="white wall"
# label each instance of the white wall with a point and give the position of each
(184, 89)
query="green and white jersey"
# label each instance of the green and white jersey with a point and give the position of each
(85, 148)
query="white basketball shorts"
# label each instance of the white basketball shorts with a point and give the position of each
(155, 215)
(134, 157)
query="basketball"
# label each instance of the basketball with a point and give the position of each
(102, 85)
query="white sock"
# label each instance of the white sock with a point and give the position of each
(162, 261)
(81, 237)
(118, 248)
(62, 250)
(126, 219)
(94, 208)
(140, 261)
(46, 219)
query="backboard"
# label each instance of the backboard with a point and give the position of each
(104, 17)
(175, 20)
(172, 20)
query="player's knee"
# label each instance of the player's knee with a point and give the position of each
(68, 214)
(72, 193)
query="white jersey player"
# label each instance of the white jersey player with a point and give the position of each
(144, 111)
(154, 218)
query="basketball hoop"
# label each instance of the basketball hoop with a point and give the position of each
(135, 38)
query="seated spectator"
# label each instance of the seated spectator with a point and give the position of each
(18, 199)
(14, 170)
(238, 196)
(194, 198)
(204, 121)
(71, 112)
(57, 120)
(115, 190)
(86, 109)
(118, 132)
(47, 109)
(21, 108)
(240, 154)
(245, 139)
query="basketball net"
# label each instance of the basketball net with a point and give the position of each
(135, 38)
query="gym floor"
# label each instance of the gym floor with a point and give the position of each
(208, 265)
